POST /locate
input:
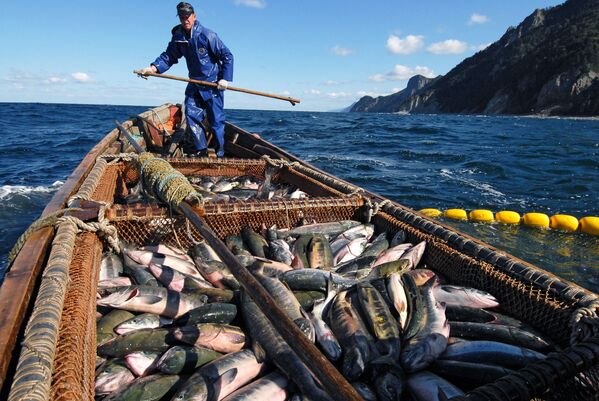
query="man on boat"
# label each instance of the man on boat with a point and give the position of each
(208, 59)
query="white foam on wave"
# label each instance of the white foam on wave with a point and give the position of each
(485, 188)
(7, 191)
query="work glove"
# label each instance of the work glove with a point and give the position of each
(148, 70)
(222, 84)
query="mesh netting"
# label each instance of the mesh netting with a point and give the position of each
(210, 167)
(106, 188)
(143, 225)
(219, 167)
(74, 364)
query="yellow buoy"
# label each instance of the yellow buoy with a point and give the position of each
(540, 220)
(507, 217)
(456, 214)
(431, 212)
(564, 222)
(481, 215)
(590, 225)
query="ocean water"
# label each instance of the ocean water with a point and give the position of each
(523, 164)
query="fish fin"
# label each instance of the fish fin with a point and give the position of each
(151, 299)
(330, 283)
(257, 268)
(441, 395)
(227, 378)
(259, 352)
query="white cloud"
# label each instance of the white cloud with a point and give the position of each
(449, 46)
(401, 72)
(251, 3)
(337, 95)
(341, 51)
(55, 80)
(312, 92)
(410, 44)
(81, 77)
(478, 19)
(330, 82)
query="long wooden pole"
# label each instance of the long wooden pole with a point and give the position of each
(214, 85)
(333, 382)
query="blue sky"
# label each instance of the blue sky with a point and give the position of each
(327, 53)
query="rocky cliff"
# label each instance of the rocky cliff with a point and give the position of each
(547, 65)
(389, 104)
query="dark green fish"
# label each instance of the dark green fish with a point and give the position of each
(300, 252)
(267, 342)
(149, 340)
(315, 280)
(183, 359)
(308, 298)
(105, 327)
(255, 243)
(354, 340)
(475, 374)
(380, 320)
(320, 255)
(287, 302)
(210, 313)
(150, 388)
(500, 333)
(509, 356)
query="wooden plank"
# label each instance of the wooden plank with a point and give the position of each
(240, 151)
(17, 289)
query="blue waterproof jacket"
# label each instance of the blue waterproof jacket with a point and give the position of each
(207, 57)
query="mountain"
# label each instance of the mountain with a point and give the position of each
(547, 65)
(388, 104)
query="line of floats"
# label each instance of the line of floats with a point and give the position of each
(564, 222)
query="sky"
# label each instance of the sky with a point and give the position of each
(327, 53)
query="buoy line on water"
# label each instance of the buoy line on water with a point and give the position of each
(588, 225)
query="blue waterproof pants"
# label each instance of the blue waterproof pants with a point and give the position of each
(196, 108)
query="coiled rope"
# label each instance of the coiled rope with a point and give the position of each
(34, 370)
(162, 181)
(585, 323)
(280, 163)
(47, 221)
(101, 227)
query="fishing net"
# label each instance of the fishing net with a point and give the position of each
(141, 224)
(74, 364)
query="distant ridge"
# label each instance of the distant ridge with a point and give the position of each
(547, 65)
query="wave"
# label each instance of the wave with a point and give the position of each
(483, 187)
(8, 191)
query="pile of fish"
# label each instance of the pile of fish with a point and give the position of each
(244, 188)
(177, 325)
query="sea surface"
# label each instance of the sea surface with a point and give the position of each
(524, 164)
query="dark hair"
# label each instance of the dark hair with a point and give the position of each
(184, 9)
